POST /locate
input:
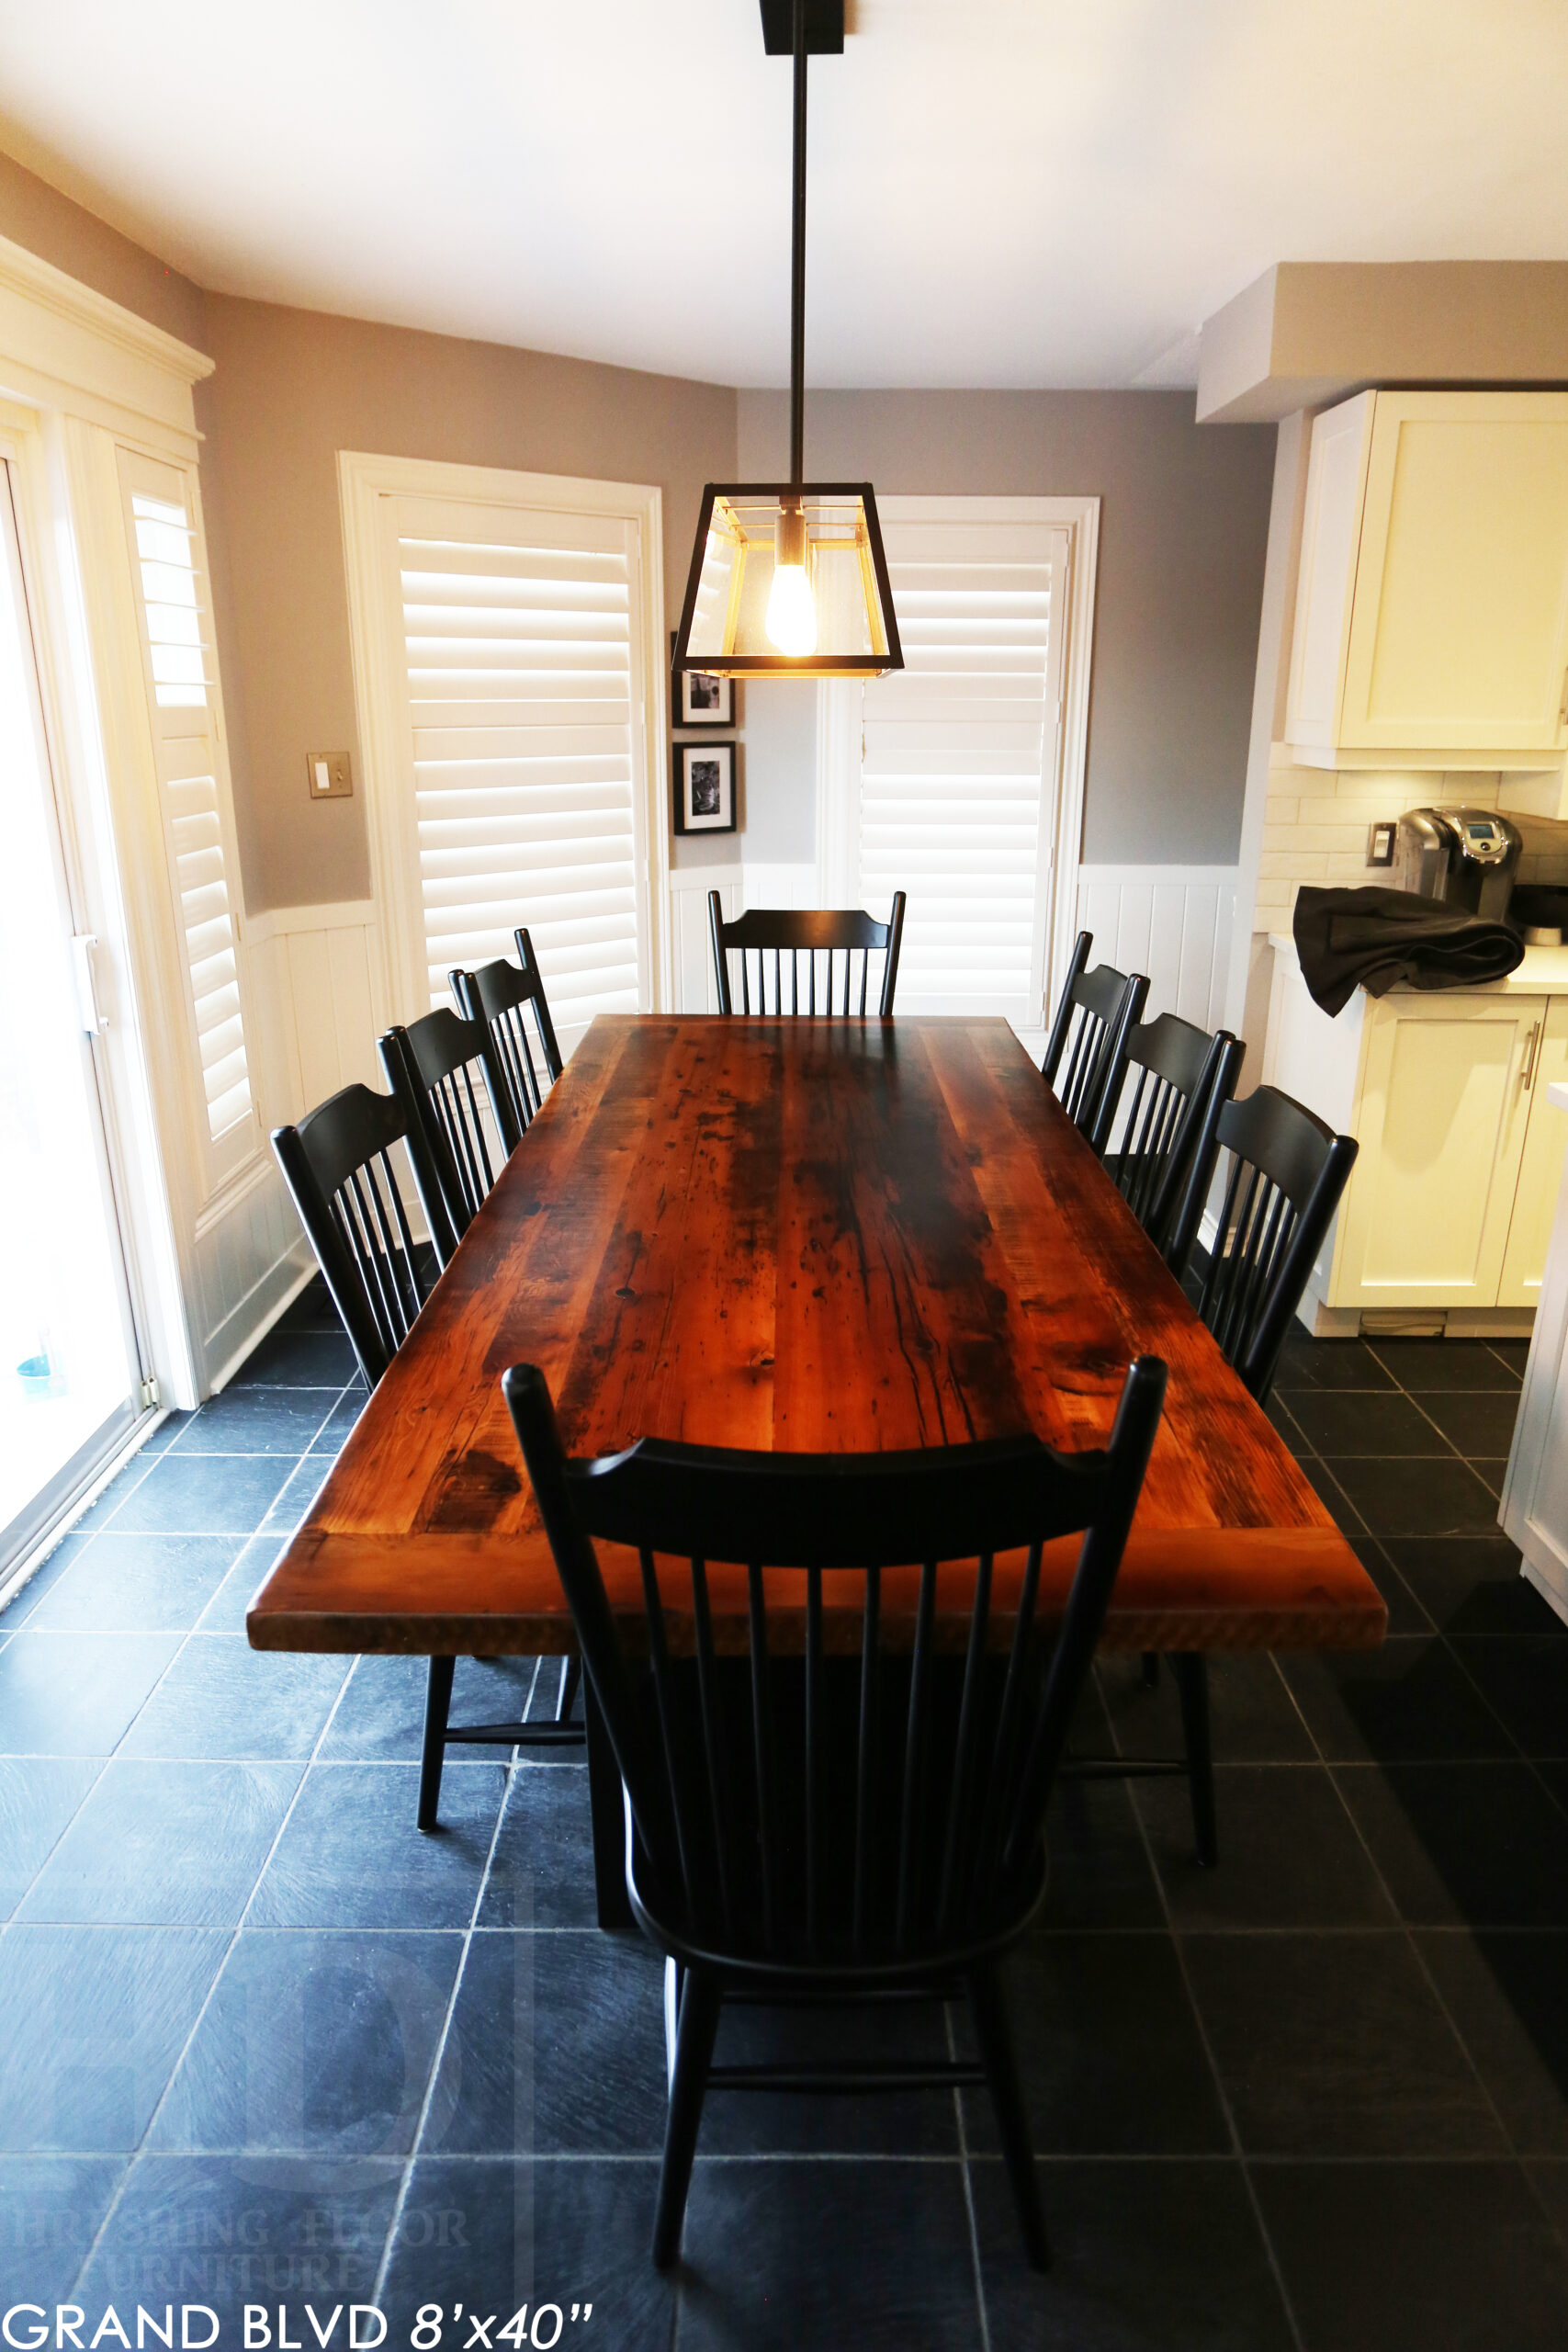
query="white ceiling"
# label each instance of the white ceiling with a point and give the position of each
(1003, 192)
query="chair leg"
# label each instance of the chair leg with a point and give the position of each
(1192, 1684)
(438, 1700)
(674, 1979)
(701, 2000)
(999, 2059)
(1151, 1669)
(570, 1677)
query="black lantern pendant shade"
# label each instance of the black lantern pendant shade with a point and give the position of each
(789, 579)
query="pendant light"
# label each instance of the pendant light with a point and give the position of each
(789, 578)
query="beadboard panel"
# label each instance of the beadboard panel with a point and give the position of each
(316, 975)
(250, 1259)
(739, 886)
(1172, 921)
(313, 989)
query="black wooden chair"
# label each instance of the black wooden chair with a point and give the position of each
(1162, 1119)
(338, 1166)
(804, 1828)
(778, 932)
(1288, 1173)
(501, 996)
(1089, 1033)
(438, 1069)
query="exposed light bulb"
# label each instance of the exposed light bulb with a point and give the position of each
(792, 611)
(790, 620)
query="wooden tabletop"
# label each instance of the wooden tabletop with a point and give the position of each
(814, 1236)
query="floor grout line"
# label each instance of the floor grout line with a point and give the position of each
(1412, 1939)
(1228, 2113)
(1238, 2153)
(1061, 2159)
(175, 2072)
(440, 2050)
(963, 2153)
(1508, 2157)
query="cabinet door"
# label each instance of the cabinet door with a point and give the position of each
(1341, 444)
(1541, 1167)
(1441, 1125)
(1459, 628)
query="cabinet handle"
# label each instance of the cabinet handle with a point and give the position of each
(1532, 1054)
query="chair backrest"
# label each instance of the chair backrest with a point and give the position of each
(1099, 1008)
(337, 1165)
(1175, 1081)
(799, 1808)
(1288, 1171)
(437, 1069)
(501, 995)
(1055, 1044)
(764, 936)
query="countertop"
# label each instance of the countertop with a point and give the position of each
(1544, 972)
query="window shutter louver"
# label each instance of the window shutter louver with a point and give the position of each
(958, 760)
(519, 661)
(182, 681)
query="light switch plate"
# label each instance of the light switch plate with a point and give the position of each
(1380, 844)
(329, 775)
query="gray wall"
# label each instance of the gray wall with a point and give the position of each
(1184, 526)
(778, 813)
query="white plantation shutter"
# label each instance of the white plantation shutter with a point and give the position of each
(168, 565)
(958, 759)
(519, 648)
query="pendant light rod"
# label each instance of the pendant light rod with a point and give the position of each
(798, 272)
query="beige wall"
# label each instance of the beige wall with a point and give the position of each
(1184, 522)
(36, 215)
(291, 389)
(294, 387)
(59, 231)
(1184, 526)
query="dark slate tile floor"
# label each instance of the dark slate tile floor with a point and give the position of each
(263, 2040)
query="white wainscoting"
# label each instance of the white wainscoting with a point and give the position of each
(1172, 921)
(316, 975)
(314, 993)
(739, 886)
(248, 1258)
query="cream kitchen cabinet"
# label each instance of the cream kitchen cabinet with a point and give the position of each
(1540, 1167)
(1431, 627)
(1450, 1202)
(1535, 1493)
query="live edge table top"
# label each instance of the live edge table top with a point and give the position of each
(812, 1236)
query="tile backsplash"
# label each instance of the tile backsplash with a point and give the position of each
(1316, 823)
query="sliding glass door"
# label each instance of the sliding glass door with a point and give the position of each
(70, 1374)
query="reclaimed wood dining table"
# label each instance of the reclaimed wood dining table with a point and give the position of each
(811, 1235)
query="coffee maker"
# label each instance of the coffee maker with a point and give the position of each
(1465, 857)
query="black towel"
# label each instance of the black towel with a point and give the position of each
(1373, 939)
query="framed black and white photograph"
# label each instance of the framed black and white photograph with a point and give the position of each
(706, 701)
(697, 698)
(704, 787)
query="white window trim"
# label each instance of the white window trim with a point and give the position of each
(62, 346)
(80, 377)
(838, 756)
(363, 481)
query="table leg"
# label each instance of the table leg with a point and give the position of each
(609, 1831)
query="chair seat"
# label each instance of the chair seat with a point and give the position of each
(880, 1967)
